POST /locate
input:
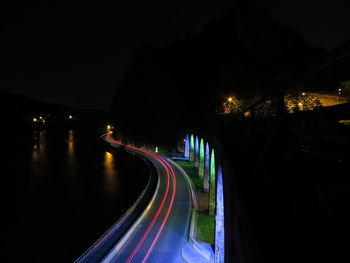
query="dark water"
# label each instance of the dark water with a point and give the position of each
(69, 190)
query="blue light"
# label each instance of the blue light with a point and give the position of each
(206, 168)
(196, 152)
(187, 146)
(219, 220)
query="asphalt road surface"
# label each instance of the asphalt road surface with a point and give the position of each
(162, 230)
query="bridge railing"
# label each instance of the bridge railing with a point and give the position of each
(312, 106)
(290, 166)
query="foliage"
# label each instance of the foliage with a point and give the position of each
(268, 108)
(231, 105)
(292, 102)
(295, 103)
(206, 228)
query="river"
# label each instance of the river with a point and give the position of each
(69, 190)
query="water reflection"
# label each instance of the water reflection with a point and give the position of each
(71, 152)
(39, 147)
(71, 143)
(110, 174)
(39, 152)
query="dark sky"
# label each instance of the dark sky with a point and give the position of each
(324, 23)
(77, 53)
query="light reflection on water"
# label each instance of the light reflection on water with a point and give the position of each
(110, 174)
(39, 148)
(71, 143)
(71, 161)
(65, 155)
(71, 186)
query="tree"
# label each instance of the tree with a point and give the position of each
(231, 105)
(294, 103)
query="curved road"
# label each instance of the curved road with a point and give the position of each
(162, 230)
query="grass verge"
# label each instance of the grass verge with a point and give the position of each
(206, 222)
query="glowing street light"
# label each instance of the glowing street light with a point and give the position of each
(40, 118)
(70, 117)
(230, 99)
(304, 93)
(35, 120)
(339, 93)
(109, 127)
(247, 114)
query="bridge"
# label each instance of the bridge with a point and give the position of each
(265, 163)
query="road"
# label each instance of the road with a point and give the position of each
(162, 230)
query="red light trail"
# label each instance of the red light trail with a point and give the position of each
(170, 173)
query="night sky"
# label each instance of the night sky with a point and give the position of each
(76, 54)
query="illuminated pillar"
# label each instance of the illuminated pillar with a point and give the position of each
(192, 148)
(201, 160)
(219, 221)
(212, 188)
(196, 152)
(187, 147)
(206, 168)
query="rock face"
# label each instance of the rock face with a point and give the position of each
(184, 83)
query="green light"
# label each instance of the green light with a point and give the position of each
(201, 160)
(192, 148)
(212, 190)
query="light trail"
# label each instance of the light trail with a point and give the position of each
(170, 173)
(166, 216)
